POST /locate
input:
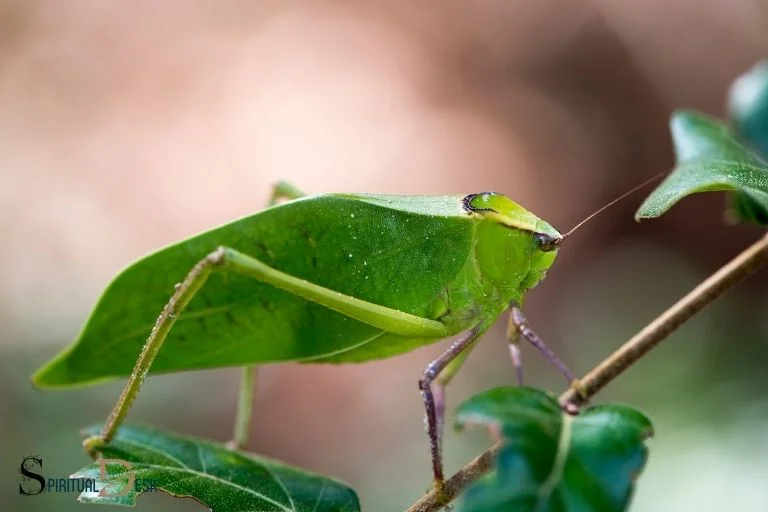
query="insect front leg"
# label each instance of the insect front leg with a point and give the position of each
(518, 326)
(513, 336)
(432, 386)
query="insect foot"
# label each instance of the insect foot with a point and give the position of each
(582, 395)
(441, 497)
(571, 409)
(92, 445)
(234, 446)
(580, 389)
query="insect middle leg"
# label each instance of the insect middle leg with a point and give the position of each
(432, 385)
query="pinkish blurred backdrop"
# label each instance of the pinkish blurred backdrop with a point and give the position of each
(124, 127)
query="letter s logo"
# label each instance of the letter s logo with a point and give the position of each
(27, 464)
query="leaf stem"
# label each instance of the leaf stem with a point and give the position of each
(746, 263)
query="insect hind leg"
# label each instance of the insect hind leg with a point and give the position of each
(173, 308)
(229, 260)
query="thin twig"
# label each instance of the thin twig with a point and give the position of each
(743, 265)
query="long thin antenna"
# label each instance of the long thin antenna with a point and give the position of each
(602, 209)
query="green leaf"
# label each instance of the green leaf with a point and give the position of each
(748, 107)
(552, 461)
(219, 478)
(710, 157)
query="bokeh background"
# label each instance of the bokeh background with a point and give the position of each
(126, 126)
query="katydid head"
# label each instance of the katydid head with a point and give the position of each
(515, 247)
(501, 209)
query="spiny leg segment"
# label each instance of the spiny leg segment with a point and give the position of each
(518, 326)
(513, 337)
(439, 372)
(179, 300)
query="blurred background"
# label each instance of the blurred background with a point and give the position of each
(126, 127)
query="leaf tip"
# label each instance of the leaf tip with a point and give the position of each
(55, 373)
(41, 379)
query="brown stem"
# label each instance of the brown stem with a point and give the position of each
(734, 271)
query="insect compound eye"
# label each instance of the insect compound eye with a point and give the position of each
(546, 242)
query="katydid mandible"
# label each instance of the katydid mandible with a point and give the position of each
(333, 278)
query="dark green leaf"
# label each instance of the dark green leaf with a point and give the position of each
(748, 107)
(221, 479)
(710, 158)
(551, 461)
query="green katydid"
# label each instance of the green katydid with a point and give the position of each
(334, 278)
